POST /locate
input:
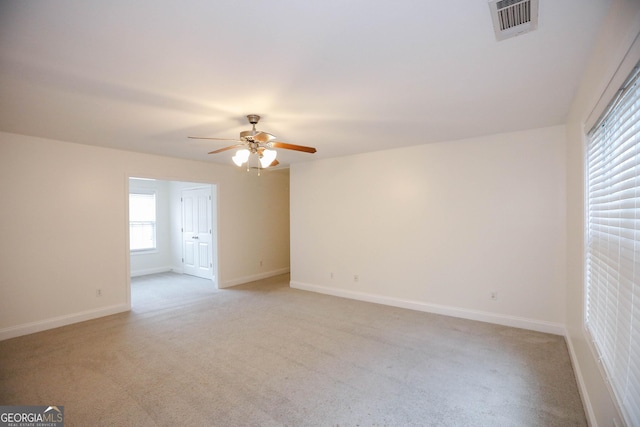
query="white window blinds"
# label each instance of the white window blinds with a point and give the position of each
(613, 245)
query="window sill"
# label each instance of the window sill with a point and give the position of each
(143, 251)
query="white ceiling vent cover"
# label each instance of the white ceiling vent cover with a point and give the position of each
(513, 17)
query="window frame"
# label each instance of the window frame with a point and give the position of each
(154, 223)
(617, 384)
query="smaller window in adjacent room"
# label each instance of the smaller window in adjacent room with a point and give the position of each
(612, 312)
(142, 221)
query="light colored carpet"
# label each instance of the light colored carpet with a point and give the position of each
(263, 354)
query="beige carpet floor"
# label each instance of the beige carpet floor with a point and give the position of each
(263, 354)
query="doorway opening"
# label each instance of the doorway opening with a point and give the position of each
(175, 228)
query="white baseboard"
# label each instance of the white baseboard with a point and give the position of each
(252, 278)
(56, 322)
(482, 316)
(144, 272)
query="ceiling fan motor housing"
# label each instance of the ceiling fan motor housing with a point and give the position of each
(247, 133)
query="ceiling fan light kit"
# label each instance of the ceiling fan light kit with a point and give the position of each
(258, 143)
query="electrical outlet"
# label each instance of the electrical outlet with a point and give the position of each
(98, 292)
(356, 278)
(494, 295)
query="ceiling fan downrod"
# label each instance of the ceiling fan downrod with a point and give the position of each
(253, 119)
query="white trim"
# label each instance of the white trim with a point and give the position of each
(626, 64)
(56, 322)
(482, 316)
(136, 252)
(145, 271)
(127, 252)
(253, 278)
(582, 386)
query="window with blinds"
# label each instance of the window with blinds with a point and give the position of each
(612, 312)
(142, 221)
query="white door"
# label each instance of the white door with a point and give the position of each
(196, 233)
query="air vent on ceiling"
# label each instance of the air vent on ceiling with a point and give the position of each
(513, 17)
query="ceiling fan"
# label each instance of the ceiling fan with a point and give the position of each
(256, 142)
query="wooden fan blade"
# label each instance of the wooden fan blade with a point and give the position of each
(231, 147)
(263, 137)
(215, 139)
(284, 145)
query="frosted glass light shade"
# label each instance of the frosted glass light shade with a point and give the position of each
(241, 157)
(268, 156)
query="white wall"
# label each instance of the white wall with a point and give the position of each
(616, 36)
(64, 227)
(438, 227)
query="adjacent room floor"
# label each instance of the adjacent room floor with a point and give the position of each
(263, 354)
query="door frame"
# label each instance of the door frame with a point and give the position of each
(215, 208)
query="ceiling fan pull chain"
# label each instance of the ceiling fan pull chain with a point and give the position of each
(259, 164)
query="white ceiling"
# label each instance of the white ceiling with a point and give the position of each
(343, 76)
